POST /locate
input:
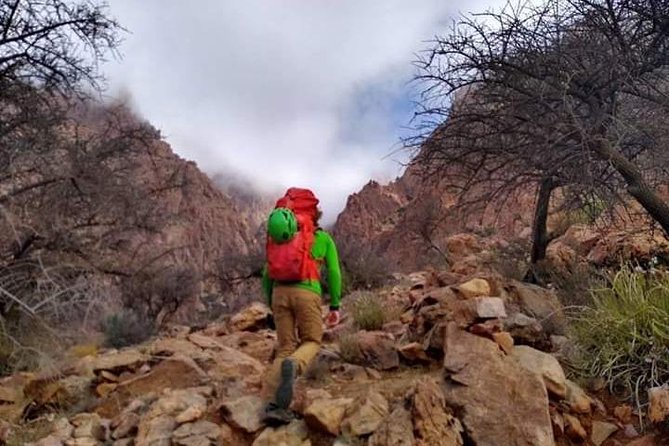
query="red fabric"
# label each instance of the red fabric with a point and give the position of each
(292, 261)
(300, 201)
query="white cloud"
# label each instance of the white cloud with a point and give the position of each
(287, 92)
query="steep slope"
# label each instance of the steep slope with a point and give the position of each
(408, 222)
(110, 201)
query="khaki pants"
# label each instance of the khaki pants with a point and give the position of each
(299, 329)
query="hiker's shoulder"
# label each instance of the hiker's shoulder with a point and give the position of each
(324, 235)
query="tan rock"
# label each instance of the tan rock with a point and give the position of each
(504, 340)
(538, 302)
(117, 361)
(543, 364)
(204, 341)
(156, 431)
(230, 365)
(258, 344)
(104, 389)
(574, 429)
(108, 376)
(293, 434)
(434, 423)
(490, 308)
(474, 288)
(500, 402)
(84, 441)
(395, 430)
(365, 416)
(413, 352)
(175, 346)
(88, 425)
(378, 350)
(189, 415)
(253, 317)
(126, 425)
(244, 413)
(659, 404)
(326, 415)
(200, 432)
(601, 431)
(577, 399)
(624, 413)
(51, 440)
(173, 373)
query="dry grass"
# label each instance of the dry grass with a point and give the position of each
(370, 311)
(349, 348)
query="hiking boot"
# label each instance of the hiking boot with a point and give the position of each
(275, 416)
(284, 393)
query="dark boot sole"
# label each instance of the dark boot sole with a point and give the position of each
(284, 394)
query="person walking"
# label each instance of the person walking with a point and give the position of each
(297, 248)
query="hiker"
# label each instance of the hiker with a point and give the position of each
(296, 249)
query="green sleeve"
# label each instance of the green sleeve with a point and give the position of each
(334, 274)
(267, 285)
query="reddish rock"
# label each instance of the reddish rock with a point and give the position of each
(378, 350)
(498, 401)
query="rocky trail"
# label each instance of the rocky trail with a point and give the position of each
(470, 361)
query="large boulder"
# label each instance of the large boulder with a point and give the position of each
(545, 365)
(378, 350)
(326, 415)
(157, 425)
(499, 402)
(173, 373)
(253, 317)
(365, 415)
(293, 434)
(539, 303)
(244, 413)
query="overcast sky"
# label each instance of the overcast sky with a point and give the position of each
(308, 93)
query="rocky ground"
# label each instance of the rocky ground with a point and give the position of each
(469, 361)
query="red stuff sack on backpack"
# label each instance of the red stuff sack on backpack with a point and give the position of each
(292, 261)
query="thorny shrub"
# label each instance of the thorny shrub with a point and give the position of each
(156, 294)
(362, 268)
(125, 328)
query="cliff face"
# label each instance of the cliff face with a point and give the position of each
(110, 197)
(408, 222)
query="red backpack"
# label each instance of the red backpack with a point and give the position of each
(292, 261)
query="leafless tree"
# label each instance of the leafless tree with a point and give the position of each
(551, 97)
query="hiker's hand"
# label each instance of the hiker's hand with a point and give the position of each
(333, 318)
(269, 320)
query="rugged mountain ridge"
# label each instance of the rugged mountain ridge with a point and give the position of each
(408, 221)
(108, 199)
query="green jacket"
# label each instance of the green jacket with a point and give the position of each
(323, 250)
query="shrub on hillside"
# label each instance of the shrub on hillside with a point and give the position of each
(125, 328)
(361, 268)
(623, 335)
(156, 294)
(369, 311)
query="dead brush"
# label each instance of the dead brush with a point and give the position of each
(370, 311)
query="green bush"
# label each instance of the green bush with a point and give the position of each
(623, 335)
(124, 329)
